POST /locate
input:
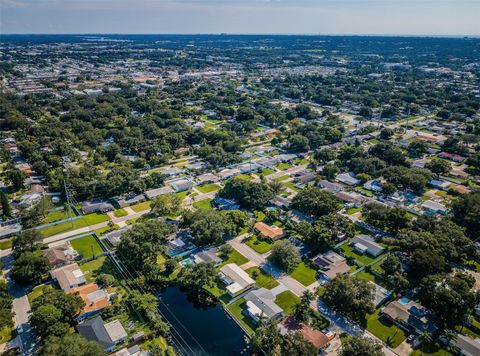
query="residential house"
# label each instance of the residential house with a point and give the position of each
(330, 265)
(366, 244)
(433, 207)
(106, 334)
(181, 185)
(269, 232)
(207, 178)
(225, 204)
(348, 179)
(134, 350)
(60, 255)
(451, 156)
(114, 237)
(208, 255)
(68, 277)
(235, 278)
(313, 336)
(261, 304)
(153, 193)
(381, 294)
(373, 185)
(249, 167)
(228, 173)
(128, 200)
(172, 171)
(440, 184)
(410, 315)
(351, 198)
(96, 206)
(196, 167)
(95, 299)
(280, 202)
(329, 186)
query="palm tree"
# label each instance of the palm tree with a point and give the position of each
(449, 336)
(425, 338)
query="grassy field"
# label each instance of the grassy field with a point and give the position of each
(259, 216)
(265, 172)
(304, 274)
(263, 279)
(99, 265)
(260, 246)
(287, 301)
(141, 206)
(86, 220)
(244, 177)
(291, 185)
(235, 257)
(373, 278)
(348, 251)
(432, 349)
(352, 211)
(281, 178)
(83, 246)
(119, 213)
(5, 244)
(237, 309)
(6, 334)
(385, 330)
(284, 166)
(205, 204)
(207, 188)
(57, 215)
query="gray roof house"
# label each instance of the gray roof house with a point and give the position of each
(181, 185)
(410, 315)
(115, 236)
(347, 178)
(366, 244)
(108, 335)
(207, 256)
(96, 206)
(153, 193)
(261, 304)
(128, 200)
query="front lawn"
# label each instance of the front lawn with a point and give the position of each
(385, 330)
(263, 279)
(266, 172)
(287, 301)
(349, 251)
(352, 211)
(244, 177)
(292, 186)
(205, 204)
(237, 309)
(260, 246)
(304, 274)
(259, 216)
(284, 166)
(207, 188)
(281, 178)
(86, 220)
(6, 244)
(235, 257)
(432, 349)
(141, 206)
(85, 245)
(119, 213)
(57, 215)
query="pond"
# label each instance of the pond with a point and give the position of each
(206, 330)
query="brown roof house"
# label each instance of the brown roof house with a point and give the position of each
(315, 337)
(60, 255)
(68, 277)
(95, 299)
(410, 315)
(330, 265)
(269, 232)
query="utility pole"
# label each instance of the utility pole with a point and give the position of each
(67, 197)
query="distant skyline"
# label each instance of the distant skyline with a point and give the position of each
(371, 17)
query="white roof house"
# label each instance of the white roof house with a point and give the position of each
(347, 178)
(366, 244)
(235, 278)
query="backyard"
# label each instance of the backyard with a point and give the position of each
(205, 204)
(237, 308)
(207, 188)
(263, 279)
(260, 246)
(385, 330)
(85, 245)
(235, 257)
(287, 301)
(348, 251)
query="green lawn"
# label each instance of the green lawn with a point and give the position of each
(182, 195)
(385, 330)
(287, 301)
(373, 278)
(99, 265)
(207, 188)
(304, 274)
(141, 206)
(260, 246)
(204, 204)
(235, 257)
(57, 215)
(6, 334)
(119, 213)
(259, 216)
(37, 292)
(83, 246)
(284, 166)
(263, 279)
(352, 211)
(281, 178)
(292, 186)
(86, 220)
(244, 177)
(433, 349)
(348, 251)
(265, 172)
(5, 244)
(237, 309)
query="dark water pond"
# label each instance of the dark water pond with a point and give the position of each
(206, 330)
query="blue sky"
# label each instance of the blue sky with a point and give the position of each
(422, 17)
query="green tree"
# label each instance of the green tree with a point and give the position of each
(29, 268)
(198, 276)
(71, 345)
(425, 339)
(438, 166)
(26, 241)
(315, 201)
(267, 338)
(285, 255)
(47, 321)
(391, 264)
(350, 296)
(17, 178)
(294, 344)
(6, 208)
(167, 204)
(361, 346)
(302, 308)
(466, 212)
